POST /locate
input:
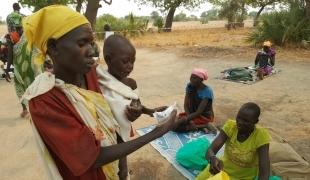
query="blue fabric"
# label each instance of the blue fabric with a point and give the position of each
(205, 93)
(195, 98)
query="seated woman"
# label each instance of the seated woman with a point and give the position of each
(198, 104)
(265, 60)
(246, 148)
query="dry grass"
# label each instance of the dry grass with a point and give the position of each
(200, 40)
(210, 24)
(195, 37)
(213, 42)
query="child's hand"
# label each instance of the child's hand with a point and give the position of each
(136, 104)
(160, 109)
(132, 113)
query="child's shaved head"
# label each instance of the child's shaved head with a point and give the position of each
(252, 107)
(114, 43)
(119, 55)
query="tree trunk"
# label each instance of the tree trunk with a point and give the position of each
(169, 19)
(91, 11)
(308, 9)
(257, 15)
(243, 12)
(78, 5)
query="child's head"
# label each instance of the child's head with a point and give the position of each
(120, 56)
(198, 76)
(247, 117)
(16, 7)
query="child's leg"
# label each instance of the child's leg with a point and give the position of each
(123, 168)
(25, 111)
(185, 127)
(207, 128)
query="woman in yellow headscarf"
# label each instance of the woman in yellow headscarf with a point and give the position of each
(73, 124)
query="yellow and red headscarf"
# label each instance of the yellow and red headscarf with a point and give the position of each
(267, 43)
(51, 22)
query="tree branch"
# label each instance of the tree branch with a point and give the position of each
(107, 2)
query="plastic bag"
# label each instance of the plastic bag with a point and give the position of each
(162, 116)
(220, 176)
(272, 178)
(192, 154)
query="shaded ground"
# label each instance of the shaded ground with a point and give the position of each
(162, 76)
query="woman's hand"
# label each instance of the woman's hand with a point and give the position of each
(151, 111)
(216, 165)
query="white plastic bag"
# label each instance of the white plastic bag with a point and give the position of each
(162, 116)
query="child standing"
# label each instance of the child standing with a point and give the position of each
(119, 90)
(198, 104)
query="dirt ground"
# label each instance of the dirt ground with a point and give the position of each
(162, 69)
(162, 76)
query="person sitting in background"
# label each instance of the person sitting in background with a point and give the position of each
(198, 104)
(246, 153)
(265, 60)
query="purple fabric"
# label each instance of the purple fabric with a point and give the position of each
(267, 70)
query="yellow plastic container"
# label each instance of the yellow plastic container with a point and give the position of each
(220, 176)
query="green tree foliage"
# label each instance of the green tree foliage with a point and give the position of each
(159, 23)
(180, 17)
(129, 25)
(252, 14)
(92, 6)
(170, 6)
(154, 15)
(285, 26)
(1, 21)
(210, 15)
(232, 10)
(192, 18)
(261, 4)
(38, 4)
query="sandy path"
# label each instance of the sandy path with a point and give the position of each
(162, 76)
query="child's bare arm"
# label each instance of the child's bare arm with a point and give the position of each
(186, 104)
(202, 106)
(137, 103)
(150, 112)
